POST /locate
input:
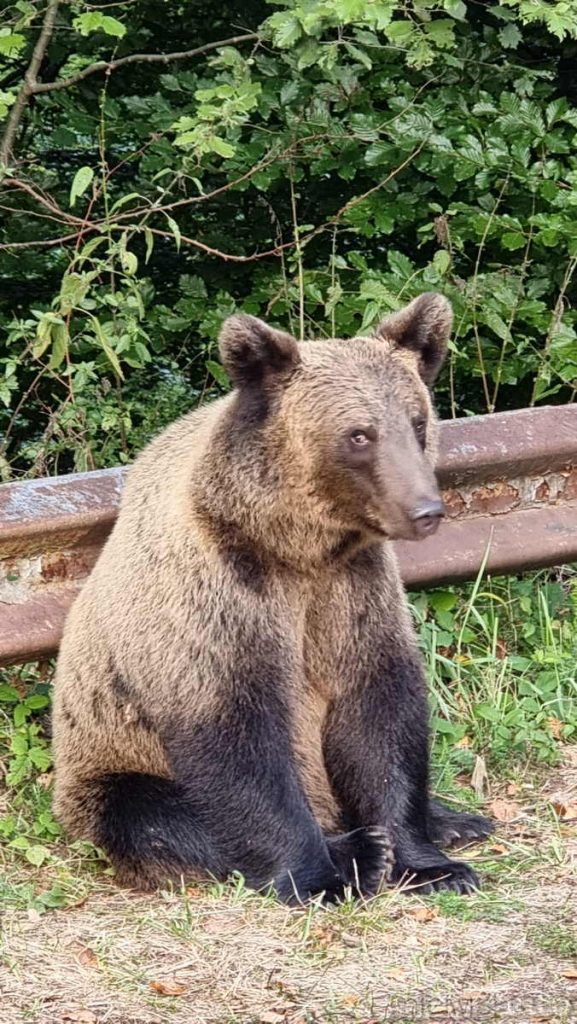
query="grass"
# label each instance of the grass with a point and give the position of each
(501, 657)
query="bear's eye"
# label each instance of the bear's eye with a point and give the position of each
(359, 439)
(420, 428)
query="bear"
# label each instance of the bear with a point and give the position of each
(239, 687)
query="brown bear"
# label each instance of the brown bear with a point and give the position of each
(239, 680)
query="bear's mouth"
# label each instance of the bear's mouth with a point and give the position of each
(374, 526)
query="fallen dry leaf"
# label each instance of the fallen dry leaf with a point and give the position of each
(167, 988)
(571, 973)
(351, 999)
(464, 743)
(479, 778)
(501, 649)
(504, 810)
(87, 957)
(498, 848)
(424, 913)
(555, 725)
(564, 806)
(323, 934)
(271, 1017)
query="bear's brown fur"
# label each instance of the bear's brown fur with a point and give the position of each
(239, 679)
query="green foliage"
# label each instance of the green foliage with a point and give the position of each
(502, 665)
(321, 172)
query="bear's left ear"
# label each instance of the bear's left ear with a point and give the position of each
(423, 327)
(252, 352)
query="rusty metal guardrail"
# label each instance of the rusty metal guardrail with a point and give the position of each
(509, 482)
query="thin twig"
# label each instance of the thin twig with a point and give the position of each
(230, 257)
(299, 259)
(30, 84)
(556, 318)
(480, 251)
(43, 200)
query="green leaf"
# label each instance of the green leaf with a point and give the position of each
(108, 351)
(442, 600)
(149, 243)
(19, 744)
(219, 373)
(513, 240)
(129, 263)
(442, 261)
(175, 230)
(510, 36)
(113, 27)
(20, 843)
(359, 55)
(8, 693)
(37, 855)
(41, 758)
(221, 147)
(82, 180)
(456, 8)
(287, 29)
(11, 42)
(95, 21)
(60, 340)
(36, 701)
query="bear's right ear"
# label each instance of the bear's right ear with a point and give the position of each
(252, 352)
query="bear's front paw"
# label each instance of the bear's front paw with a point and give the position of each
(447, 827)
(451, 875)
(363, 857)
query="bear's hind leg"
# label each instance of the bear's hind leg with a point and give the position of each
(149, 829)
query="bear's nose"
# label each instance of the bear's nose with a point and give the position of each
(426, 517)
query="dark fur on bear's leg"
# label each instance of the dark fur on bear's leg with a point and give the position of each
(153, 833)
(149, 830)
(375, 739)
(447, 826)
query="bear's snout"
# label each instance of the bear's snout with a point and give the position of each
(426, 516)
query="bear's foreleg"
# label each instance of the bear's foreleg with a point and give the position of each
(376, 751)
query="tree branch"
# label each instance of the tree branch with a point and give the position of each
(90, 226)
(67, 218)
(133, 58)
(30, 81)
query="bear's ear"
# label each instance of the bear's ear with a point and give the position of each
(252, 352)
(423, 327)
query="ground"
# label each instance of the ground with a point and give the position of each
(222, 955)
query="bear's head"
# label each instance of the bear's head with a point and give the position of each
(345, 430)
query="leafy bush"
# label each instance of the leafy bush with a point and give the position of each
(319, 167)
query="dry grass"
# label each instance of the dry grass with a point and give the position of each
(508, 954)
